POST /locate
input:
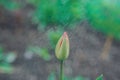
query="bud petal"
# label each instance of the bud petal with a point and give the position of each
(62, 47)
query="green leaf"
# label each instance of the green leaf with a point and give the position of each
(1, 53)
(42, 52)
(52, 76)
(5, 68)
(53, 37)
(57, 12)
(9, 4)
(67, 78)
(45, 54)
(10, 57)
(100, 77)
(1, 50)
(104, 16)
(81, 78)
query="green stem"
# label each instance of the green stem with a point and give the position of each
(61, 70)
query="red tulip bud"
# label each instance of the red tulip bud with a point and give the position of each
(62, 47)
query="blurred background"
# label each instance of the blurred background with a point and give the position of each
(30, 29)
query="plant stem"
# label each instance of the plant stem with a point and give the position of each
(61, 70)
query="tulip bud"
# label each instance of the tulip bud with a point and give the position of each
(62, 47)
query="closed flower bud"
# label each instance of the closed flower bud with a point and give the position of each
(62, 47)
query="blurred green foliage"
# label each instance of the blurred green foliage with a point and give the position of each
(104, 15)
(52, 76)
(57, 12)
(100, 77)
(42, 52)
(9, 4)
(53, 37)
(5, 61)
